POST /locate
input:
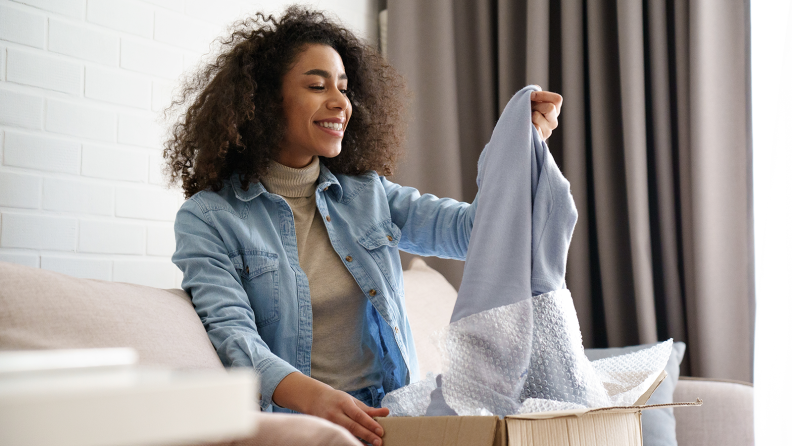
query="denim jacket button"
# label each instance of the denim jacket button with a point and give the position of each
(372, 293)
(325, 189)
(348, 258)
(327, 218)
(247, 270)
(390, 239)
(396, 329)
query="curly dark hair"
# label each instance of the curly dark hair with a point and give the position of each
(234, 120)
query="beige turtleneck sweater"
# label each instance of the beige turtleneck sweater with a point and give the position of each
(343, 353)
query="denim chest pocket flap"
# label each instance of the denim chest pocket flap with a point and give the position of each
(384, 233)
(377, 240)
(259, 273)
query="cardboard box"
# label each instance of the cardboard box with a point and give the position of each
(612, 426)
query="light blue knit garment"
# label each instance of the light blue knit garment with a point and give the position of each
(519, 243)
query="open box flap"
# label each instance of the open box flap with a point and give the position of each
(614, 409)
(646, 395)
(640, 404)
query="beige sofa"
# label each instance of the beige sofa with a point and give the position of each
(45, 310)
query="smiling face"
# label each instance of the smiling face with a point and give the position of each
(315, 106)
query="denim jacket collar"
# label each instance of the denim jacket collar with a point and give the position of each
(326, 180)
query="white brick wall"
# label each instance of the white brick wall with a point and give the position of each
(19, 190)
(82, 85)
(124, 15)
(114, 164)
(76, 40)
(176, 5)
(151, 58)
(179, 30)
(88, 268)
(37, 232)
(23, 25)
(80, 120)
(146, 204)
(156, 164)
(74, 8)
(140, 130)
(117, 86)
(156, 273)
(20, 258)
(21, 110)
(41, 152)
(39, 70)
(161, 94)
(2, 63)
(109, 237)
(79, 197)
(160, 241)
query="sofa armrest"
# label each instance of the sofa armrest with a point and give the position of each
(725, 418)
(275, 429)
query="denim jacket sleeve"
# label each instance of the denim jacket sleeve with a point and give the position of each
(430, 226)
(220, 300)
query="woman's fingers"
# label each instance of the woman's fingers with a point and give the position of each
(360, 416)
(548, 110)
(542, 125)
(351, 414)
(372, 411)
(362, 425)
(545, 108)
(382, 412)
(548, 96)
(360, 432)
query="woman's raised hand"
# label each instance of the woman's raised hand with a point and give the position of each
(311, 397)
(545, 108)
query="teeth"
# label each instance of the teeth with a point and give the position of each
(331, 125)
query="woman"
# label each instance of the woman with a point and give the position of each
(289, 239)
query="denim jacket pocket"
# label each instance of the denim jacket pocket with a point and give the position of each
(382, 241)
(259, 273)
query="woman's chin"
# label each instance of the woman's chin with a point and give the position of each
(330, 153)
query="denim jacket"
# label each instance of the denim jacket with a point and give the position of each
(238, 252)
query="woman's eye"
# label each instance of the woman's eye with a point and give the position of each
(343, 91)
(316, 87)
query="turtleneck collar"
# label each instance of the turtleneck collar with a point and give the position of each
(290, 182)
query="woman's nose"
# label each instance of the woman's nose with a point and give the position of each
(338, 101)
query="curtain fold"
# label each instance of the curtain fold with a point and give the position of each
(654, 138)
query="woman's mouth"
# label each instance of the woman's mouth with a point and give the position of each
(333, 128)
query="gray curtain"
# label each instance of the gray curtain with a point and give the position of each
(654, 137)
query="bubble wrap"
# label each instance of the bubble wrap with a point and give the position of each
(486, 357)
(411, 400)
(528, 357)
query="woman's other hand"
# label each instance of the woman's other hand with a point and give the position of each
(545, 108)
(351, 414)
(311, 397)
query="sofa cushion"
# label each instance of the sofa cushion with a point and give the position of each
(430, 301)
(41, 309)
(276, 429)
(658, 425)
